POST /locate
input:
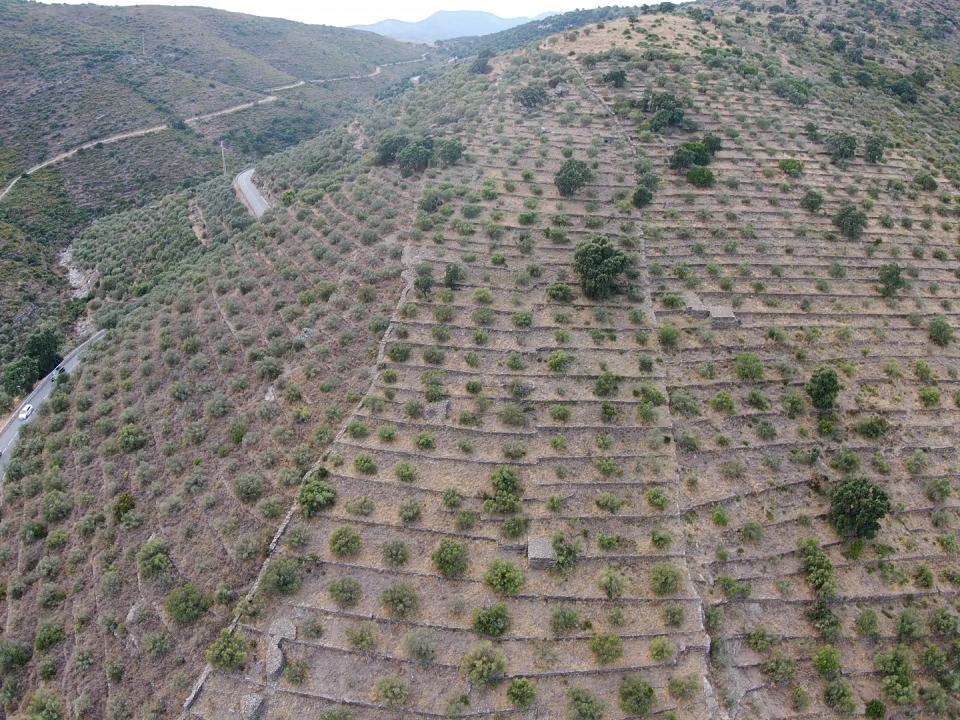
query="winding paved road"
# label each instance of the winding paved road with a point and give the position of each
(250, 194)
(144, 131)
(191, 121)
(43, 390)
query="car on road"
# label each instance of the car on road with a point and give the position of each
(25, 412)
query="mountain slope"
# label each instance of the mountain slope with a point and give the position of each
(646, 405)
(73, 73)
(442, 25)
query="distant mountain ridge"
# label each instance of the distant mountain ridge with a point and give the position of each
(446, 24)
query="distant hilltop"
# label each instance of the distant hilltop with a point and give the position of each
(446, 24)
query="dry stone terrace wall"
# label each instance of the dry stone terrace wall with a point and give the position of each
(751, 485)
(463, 388)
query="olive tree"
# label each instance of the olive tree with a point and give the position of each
(599, 264)
(856, 507)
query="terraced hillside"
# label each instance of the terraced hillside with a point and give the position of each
(146, 494)
(610, 378)
(661, 502)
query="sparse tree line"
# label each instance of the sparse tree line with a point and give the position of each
(415, 154)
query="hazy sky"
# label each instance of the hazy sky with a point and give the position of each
(355, 12)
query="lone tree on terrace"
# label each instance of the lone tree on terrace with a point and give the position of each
(572, 176)
(851, 221)
(532, 96)
(856, 507)
(599, 263)
(823, 388)
(617, 78)
(892, 280)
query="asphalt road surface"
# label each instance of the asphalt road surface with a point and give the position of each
(251, 196)
(9, 433)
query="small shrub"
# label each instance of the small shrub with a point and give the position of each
(450, 558)
(637, 697)
(229, 651)
(504, 577)
(606, 648)
(484, 665)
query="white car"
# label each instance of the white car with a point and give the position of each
(25, 412)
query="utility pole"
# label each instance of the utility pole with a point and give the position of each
(223, 157)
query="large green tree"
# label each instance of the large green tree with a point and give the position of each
(572, 176)
(823, 388)
(599, 263)
(856, 507)
(43, 345)
(20, 375)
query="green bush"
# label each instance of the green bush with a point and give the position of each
(613, 583)
(450, 558)
(701, 177)
(493, 621)
(780, 669)
(584, 705)
(283, 577)
(229, 651)
(851, 221)
(641, 197)
(316, 494)
(792, 167)
(941, 332)
(56, 506)
(811, 200)
(665, 579)
(560, 292)
(396, 553)
(748, 366)
(823, 388)
(875, 147)
(44, 705)
(346, 592)
(606, 648)
(185, 605)
(842, 146)
(637, 697)
(345, 542)
(153, 558)
(504, 577)
(522, 693)
(393, 691)
(827, 661)
(401, 599)
(892, 280)
(421, 645)
(484, 665)
(663, 649)
(795, 90)
(132, 438)
(840, 696)
(249, 488)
